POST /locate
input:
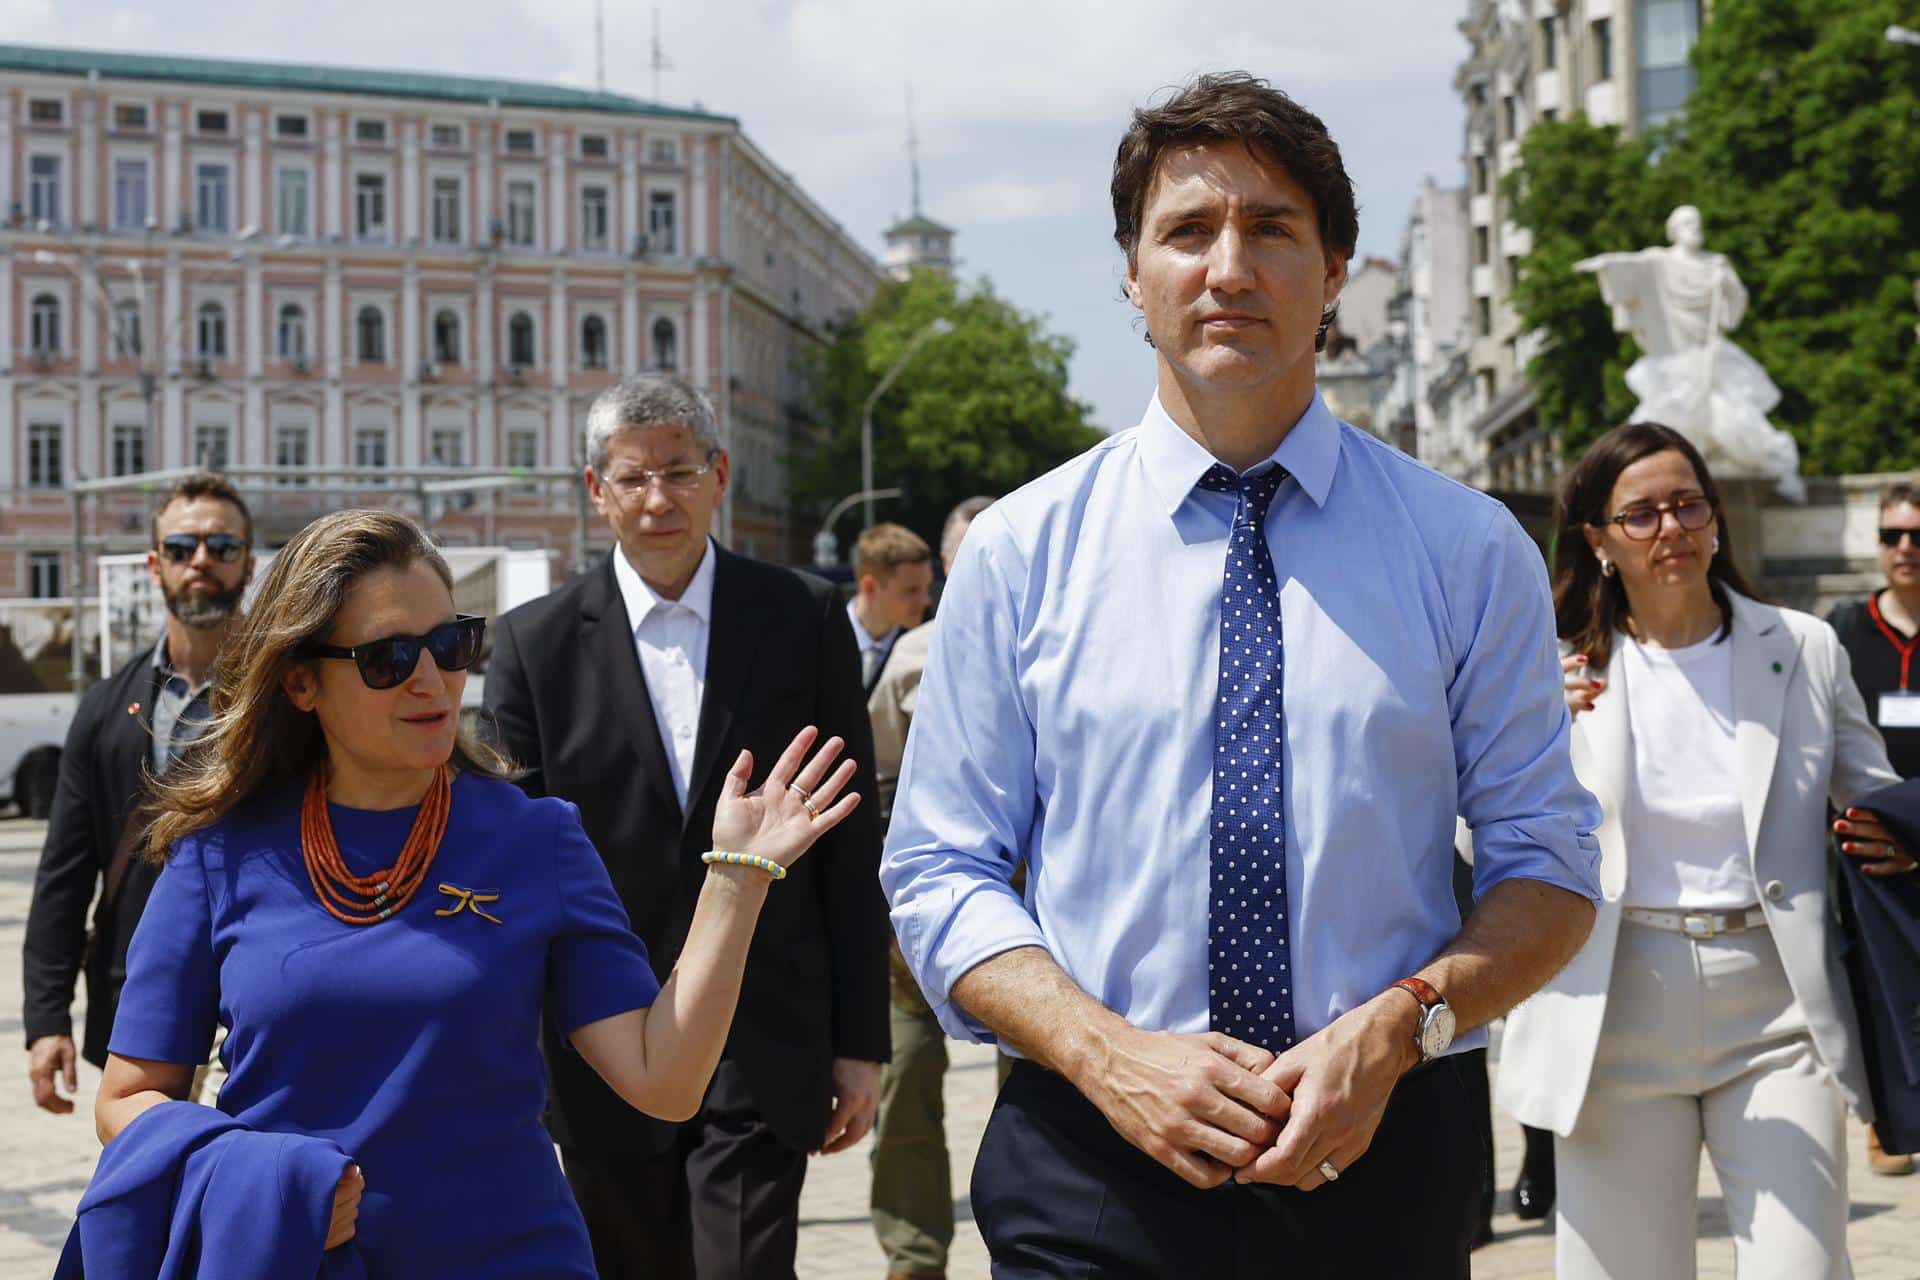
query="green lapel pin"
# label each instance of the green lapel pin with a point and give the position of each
(1776, 668)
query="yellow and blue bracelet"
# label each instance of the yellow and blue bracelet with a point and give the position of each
(767, 865)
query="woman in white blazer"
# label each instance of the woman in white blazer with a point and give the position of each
(1709, 1006)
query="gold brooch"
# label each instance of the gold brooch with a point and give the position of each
(469, 900)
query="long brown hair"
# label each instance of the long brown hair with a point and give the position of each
(257, 739)
(1588, 606)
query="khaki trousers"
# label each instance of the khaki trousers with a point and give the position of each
(1703, 1045)
(912, 1185)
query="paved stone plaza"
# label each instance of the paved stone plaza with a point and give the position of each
(45, 1161)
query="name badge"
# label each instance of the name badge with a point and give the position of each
(1900, 711)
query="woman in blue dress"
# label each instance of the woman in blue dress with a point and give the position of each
(378, 917)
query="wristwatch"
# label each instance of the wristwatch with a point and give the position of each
(1435, 1033)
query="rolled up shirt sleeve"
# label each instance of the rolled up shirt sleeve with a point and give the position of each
(966, 802)
(1531, 818)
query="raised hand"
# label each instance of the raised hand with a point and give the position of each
(792, 808)
(1582, 688)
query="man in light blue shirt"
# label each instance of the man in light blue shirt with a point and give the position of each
(1238, 950)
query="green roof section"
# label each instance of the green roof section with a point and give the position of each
(305, 78)
(918, 224)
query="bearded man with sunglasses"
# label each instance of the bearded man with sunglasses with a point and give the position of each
(129, 728)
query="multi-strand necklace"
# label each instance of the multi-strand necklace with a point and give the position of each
(370, 899)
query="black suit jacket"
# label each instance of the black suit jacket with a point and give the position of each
(570, 703)
(1882, 914)
(104, 769)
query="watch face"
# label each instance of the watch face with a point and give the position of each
(1436, 1031)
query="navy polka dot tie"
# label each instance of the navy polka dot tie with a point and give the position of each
(1249, 981)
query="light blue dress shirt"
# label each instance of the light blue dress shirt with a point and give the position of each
(1065, 721)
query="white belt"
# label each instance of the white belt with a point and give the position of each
(1698, 924)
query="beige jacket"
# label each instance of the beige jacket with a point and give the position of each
(890, 707)
(1804, 741)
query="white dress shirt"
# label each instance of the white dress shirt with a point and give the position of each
(671, 638)
(873, 651)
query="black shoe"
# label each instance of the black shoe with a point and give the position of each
(1484, 1236)
(1533, 1193)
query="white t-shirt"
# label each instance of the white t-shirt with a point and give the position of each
(1686, 836)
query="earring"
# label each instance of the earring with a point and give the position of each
(1607, 569)
(1716, 544)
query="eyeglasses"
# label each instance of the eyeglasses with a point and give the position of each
(1643, 523)
(677, 479)
(388, 662)
(224, 547)
(1892, 537)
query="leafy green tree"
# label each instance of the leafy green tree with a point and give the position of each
(982, 409)
(1801, 147)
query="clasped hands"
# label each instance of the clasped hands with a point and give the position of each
(1210, 1107)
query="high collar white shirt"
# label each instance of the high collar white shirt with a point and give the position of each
(670, 637)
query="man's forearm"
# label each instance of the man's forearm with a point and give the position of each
(1027, 1000)
(1516, 938)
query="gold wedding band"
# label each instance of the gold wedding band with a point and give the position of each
(1328, 1172)
(806, 799)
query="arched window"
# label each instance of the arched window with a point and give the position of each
(520, 340)
(292, 333)
(372, 329)
(126, 321)
(446, 337)
(593, 343)
(212, 331)
(45, 325)
(666, 346)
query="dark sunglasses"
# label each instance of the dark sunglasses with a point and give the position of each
(389, 662)
(1892, 537)
(224, 547)
(1643, 523)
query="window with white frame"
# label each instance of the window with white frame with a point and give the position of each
(370, 448)
(446, 210)
(523, 447)
(130, 117)
(663, 222)
(291, 127)
(447, 447)
(212, 193)
(129, 448)
(665, 152)
(129, 193)
(126, 327)
(292, 202)
(43, 188)
(447, 137)
(666, 345)
(370, 328)
(43, 575)
(370, 206)
(520, 340)
(372, 133)
(46, 449)
(522, 202)
(290, 333)
(210, 330)
(43, 326)
(211, 451)
(593, 343)
(211, 123)
(291, 453)
(521, 142)
(593, 146)
(594, 204)
(446, 336)
(46, 111)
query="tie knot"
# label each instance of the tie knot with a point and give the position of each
(1255, 492)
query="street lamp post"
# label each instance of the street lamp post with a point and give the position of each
(934, 329)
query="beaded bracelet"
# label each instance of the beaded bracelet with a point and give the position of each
(767, 865)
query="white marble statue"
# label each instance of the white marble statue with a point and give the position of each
(1677, 302)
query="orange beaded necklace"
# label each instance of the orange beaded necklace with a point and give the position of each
(354, 899)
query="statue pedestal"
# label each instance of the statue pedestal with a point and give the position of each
(1742, 499)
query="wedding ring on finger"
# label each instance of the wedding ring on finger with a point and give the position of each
(1328, 1172)
(806, 799)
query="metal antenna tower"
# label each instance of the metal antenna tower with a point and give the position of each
(659, 61)
(913, 152)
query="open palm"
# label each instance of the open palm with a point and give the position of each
(775, 821)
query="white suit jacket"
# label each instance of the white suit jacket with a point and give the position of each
(1803, 738)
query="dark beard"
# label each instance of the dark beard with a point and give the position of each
(204, 611)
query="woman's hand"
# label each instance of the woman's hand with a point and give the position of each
(346, 1207)
(1862, 836)
(775, 821)
(1582, 689)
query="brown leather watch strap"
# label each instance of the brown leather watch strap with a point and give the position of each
(1422, 990)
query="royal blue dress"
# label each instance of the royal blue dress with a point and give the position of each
(413, 1043)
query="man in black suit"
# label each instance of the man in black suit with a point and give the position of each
(628, 692)
(128, 727)
(893, 589)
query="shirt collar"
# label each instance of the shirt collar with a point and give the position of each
(641, 599)
(866, 639)
(163, 663)
(1175, 461)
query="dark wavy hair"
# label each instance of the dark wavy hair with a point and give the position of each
(1588, 606)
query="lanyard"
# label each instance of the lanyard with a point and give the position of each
(1904, 648)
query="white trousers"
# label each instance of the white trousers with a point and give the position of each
(1703, 1044)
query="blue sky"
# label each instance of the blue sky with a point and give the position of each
(1020, 103)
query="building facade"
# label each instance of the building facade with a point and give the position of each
(309, 269)
(1620, 62)
(1428, 324)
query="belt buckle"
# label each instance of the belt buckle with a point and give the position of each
(1699, 925)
